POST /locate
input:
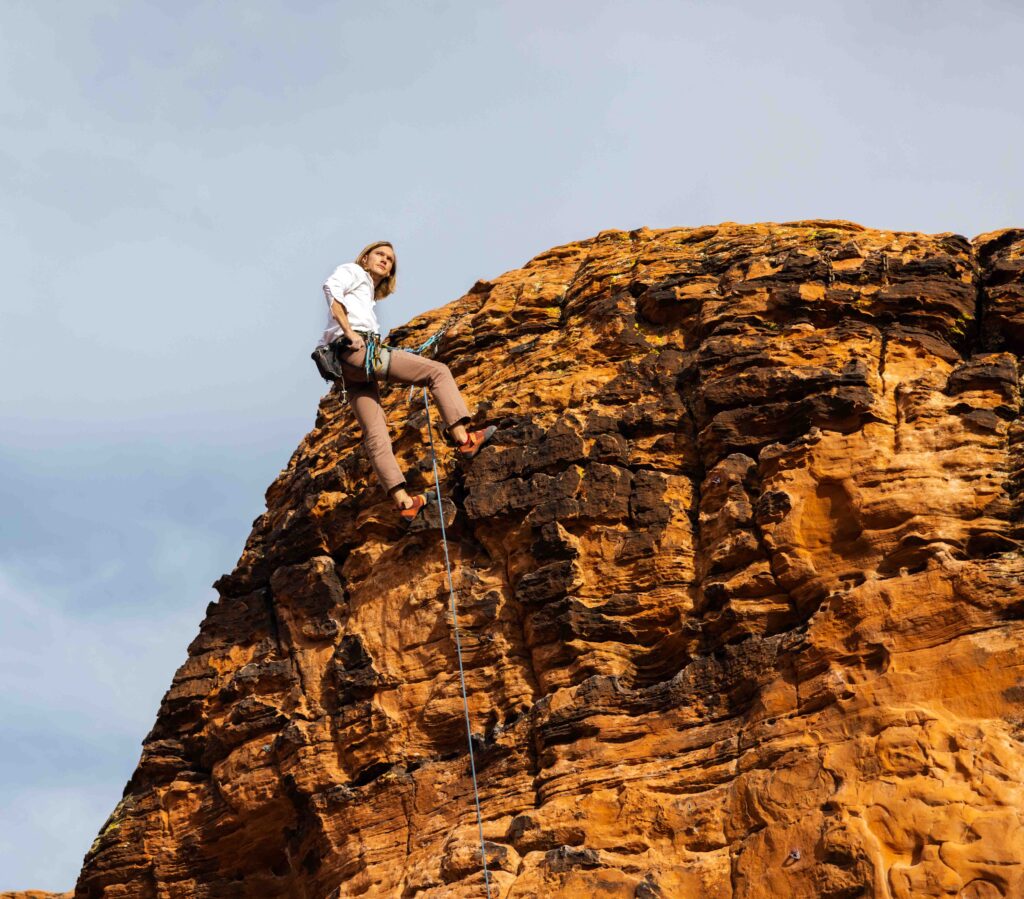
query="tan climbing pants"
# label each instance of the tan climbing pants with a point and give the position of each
(363, 397)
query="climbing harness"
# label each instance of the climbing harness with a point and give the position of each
(458, 640)
(378, 357)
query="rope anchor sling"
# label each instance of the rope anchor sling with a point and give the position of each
(458, 647)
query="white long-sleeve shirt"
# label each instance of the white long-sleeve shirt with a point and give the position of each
(351, 285)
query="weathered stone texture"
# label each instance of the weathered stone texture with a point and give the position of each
(739, 584)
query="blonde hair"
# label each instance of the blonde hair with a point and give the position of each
(387, 285)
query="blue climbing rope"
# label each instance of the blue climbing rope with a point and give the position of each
(375, 343)
(458, 647)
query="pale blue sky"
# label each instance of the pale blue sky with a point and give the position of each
(178, 178)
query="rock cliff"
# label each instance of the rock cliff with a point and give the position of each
(34, 894)
(739, 586)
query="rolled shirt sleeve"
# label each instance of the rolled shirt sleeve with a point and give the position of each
(353, 288)
(340, 282)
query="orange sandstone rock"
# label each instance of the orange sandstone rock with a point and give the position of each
(739, 585)
(35, 894)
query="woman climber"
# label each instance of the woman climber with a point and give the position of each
(351, 292)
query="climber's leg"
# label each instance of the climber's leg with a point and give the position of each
(365, 402)
(353, 362)
(408, 368)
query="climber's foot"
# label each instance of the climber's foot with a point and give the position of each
(416, 504)
(475, 441)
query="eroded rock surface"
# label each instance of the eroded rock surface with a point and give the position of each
(739, 587)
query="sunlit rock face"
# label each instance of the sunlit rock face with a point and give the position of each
(34, 894)
(739, 585)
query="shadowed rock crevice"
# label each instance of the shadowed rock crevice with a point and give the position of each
(738, 582)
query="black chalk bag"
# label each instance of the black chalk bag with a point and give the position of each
(328, 358)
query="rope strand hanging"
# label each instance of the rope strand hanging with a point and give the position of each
(458, 646)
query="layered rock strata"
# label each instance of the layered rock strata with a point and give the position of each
(739, 583)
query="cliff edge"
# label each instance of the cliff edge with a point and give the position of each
(740, 594)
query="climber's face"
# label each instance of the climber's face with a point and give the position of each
(379, 262)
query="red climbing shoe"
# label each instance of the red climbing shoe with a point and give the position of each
(475, 441)
(419, 501)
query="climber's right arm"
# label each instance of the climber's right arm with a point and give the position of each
(341, 317)
(335, 288)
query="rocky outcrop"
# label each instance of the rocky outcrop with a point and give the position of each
(739, 586)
